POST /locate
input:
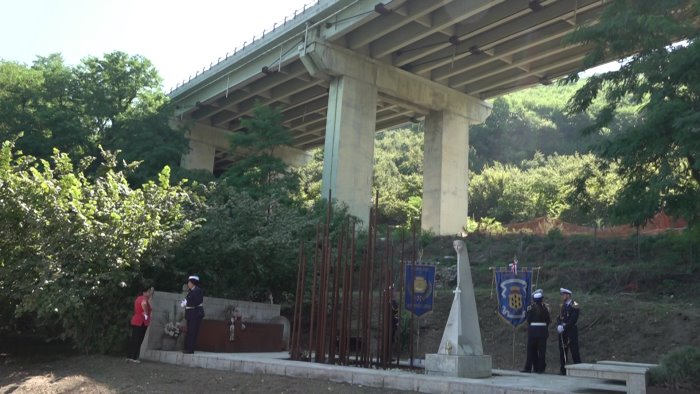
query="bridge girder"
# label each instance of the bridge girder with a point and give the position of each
(481, 48)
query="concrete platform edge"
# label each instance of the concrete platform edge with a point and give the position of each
(390, 379)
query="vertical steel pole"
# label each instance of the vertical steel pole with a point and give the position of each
(295, 319)
(411, 287)
(312, 318)
(334, 313)
(402, 297)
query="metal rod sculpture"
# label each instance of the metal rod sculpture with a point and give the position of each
(362, 293)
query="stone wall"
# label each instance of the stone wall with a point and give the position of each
(166, 307)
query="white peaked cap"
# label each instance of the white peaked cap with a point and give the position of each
(195, 277)
(565, 291)
(538, 294)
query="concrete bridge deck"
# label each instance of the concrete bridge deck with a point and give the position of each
(344, 69)
(272, 364)
(481, 48)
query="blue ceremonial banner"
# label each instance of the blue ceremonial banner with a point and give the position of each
(514, 289)
(420, 278)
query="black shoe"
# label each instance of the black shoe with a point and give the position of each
(525, 370)
(563, 373)
(187, 352)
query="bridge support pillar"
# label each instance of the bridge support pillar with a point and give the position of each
(348, 158)
(445, 172)
(292, 157)
(200, 156)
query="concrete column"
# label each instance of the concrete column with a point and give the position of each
(445, 173)
(348, 158)
(292, 157)
(200, 156)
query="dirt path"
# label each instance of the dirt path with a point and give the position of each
(103, 374)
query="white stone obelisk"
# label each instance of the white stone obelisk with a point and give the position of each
(461, 353)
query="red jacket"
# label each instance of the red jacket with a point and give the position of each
(139, 319)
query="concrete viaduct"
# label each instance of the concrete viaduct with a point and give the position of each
(344, 69)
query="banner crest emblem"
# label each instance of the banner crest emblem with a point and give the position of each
(419, 284)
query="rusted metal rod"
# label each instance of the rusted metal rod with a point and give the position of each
(399, 331)
(295, 319)
(347, 318)
(351, 271)
(372, 247)
(334, 312)
(343, 306)
(411, 288)
(312, 316)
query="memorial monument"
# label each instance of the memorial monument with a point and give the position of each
(461, 353)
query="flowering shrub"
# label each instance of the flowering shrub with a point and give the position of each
(56, 221)
(172, 329)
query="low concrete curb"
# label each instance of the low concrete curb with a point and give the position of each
(389, 379)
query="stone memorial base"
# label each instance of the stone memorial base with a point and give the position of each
(459, 366)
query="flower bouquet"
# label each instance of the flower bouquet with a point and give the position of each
(172, 329)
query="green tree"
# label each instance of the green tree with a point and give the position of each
(39, 102)
(398, 174)
(542, 186)
(72, 248)
(310, 176)
(258, 171)
(499, 192)
(658, 157)
(592, 194)
(240, 251)
(114, 101)
(125, 105)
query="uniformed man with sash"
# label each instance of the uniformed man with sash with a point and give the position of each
(567, 330)
(538, 320)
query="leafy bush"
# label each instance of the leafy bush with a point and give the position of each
(245, 246)
(490, 226)
(72, 249)
(241, 249)
(680, 368)
(555, 233)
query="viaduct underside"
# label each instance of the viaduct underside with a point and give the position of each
(344, 69)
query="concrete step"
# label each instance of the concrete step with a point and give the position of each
(627, 364)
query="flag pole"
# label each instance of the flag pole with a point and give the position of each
(513, 347)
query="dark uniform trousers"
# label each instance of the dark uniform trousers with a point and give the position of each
(537, 332)
(568, 340)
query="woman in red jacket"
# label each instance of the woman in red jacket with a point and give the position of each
(139, 322)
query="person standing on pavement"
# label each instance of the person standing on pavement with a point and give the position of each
(194, 312)
(567, 330)
(538, 320)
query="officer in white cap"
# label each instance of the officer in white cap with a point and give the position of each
(194, 312)
(538, 320)
(567, 330)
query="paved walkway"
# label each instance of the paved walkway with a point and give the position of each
(278, 364)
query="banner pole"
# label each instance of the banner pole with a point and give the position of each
(493, 283)
(513, 347)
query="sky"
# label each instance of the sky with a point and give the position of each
(179, 37)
